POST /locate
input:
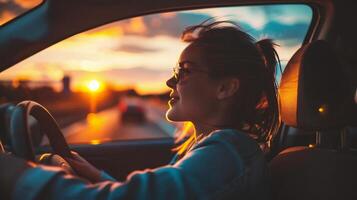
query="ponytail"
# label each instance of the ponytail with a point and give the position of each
(270, 100)
(269, 54)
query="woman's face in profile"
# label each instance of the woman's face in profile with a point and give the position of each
(193, 91)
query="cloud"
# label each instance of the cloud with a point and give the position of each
(135, 48)
(168, 24)
(9, 9)
(133, 75)
(273, 21)
(6, 16)
(27, 4)
(289, 34)
(289, 14)
(258, 16)
(10, 6)
(111, 30)
(136, 25)
(252, 15)
(280, 22)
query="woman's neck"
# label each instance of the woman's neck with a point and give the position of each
(202, 129)
(205, 129)
(223, 118)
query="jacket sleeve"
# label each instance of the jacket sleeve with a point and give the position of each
(106, 177)
(203, 173)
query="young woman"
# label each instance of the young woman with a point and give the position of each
(224, 83)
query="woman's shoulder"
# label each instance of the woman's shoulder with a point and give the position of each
(236, 140)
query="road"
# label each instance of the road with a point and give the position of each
(107, 126)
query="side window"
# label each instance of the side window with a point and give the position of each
(108, 84)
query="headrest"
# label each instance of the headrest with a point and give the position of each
(315, 94)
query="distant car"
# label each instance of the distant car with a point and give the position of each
(131, 112)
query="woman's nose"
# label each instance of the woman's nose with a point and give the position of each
(171, 83)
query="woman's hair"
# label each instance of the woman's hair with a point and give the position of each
(230, 52)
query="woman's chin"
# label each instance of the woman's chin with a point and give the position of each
(172, 115)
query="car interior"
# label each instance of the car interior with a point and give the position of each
(312, 156)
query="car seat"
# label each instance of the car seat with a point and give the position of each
(315, 97)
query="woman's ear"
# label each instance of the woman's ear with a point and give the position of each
(227, 88)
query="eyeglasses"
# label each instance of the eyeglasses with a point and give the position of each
(180, 71)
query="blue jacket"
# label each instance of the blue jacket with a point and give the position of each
(226, 164)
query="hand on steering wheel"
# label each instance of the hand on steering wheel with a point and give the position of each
(20, 133)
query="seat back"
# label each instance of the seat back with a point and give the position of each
(315, 97)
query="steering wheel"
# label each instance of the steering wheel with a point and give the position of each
(20, 133)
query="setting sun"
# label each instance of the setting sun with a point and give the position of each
(93, 85)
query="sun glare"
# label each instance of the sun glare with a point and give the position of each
(93, 85)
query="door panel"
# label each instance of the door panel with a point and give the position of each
(122, 157)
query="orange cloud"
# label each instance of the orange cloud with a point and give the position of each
(168, 15)
(6, 16)
(99, 37)
(28, 3)
(137, 25)
(107, 31)
(157, 87)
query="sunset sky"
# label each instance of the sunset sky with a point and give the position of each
(12, 8)
(140, 52)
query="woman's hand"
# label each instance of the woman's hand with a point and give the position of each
(83, 168)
